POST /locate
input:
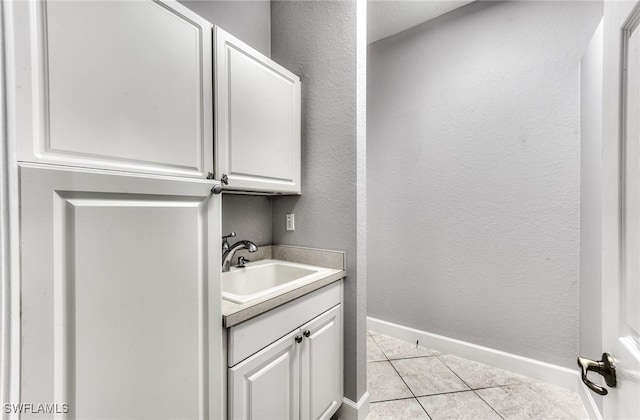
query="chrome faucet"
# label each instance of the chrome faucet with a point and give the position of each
(227, 255)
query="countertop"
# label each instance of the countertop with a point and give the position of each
(333, 261)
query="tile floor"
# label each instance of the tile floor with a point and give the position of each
(410, 382)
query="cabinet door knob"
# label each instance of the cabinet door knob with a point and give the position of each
(307, 333)
(298, 339)
(216, 189)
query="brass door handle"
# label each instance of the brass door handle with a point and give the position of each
(603, 367)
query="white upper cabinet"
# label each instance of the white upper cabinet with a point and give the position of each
(123, 85)
(257, 120)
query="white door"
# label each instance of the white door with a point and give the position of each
(266, 385)
(321, 366)
(621, 206)
(257, 119)
(120, 295)
(113, 84)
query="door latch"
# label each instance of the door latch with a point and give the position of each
(604, 367)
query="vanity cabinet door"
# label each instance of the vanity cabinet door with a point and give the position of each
(266, 385)
(257, 120)
(321, 366)
(124, 85)
(120, 294)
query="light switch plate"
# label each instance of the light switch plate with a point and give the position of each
(291, 221)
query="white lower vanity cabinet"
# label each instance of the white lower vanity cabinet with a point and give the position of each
(299, 376)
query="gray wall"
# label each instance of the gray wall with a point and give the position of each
(317, 40)
(591, 202)
(250, 21)
(248, 216)
(247, 20)
(474, 176)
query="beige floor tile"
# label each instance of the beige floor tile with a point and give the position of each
(567, 400)
(457, 405)
(428, 376)
(408, 409)
(394, 348)
(521, 402)
(374, 353)
(384, 383)
(477, 375)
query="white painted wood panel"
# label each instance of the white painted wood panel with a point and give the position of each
(266, 385)
(120, 294)
(321, 366)
(257, 122)
(621, 206)
(114, 85)
(248, 337)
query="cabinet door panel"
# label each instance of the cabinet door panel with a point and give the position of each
(257, 119)
(266, 385)
(120, 298)
(321, 366)
(118, 85)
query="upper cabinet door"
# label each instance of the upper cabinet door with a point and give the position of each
(123, 85)
(257, 119)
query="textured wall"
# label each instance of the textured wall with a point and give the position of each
(250, 21)
(248, 216)
(474, 174)
(317, 40)
(591, 202)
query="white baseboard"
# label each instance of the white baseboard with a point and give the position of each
(542, 371)
(588, 401)
(354, 411)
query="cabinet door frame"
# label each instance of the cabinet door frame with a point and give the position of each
(314, 328)
(223, 44)
(28, 82)
(45, 188)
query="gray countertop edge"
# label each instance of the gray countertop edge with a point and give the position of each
(262, 307)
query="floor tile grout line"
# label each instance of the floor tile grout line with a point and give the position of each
(380, 348)
(412, 357)
(443, 393)
(410, 390)
(394, 399)
(399, 358)
(407, 385)
(472, 390)
(448, 392)
(489, 405)
(440, 358)
(423, 407)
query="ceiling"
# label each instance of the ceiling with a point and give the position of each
(388, 17)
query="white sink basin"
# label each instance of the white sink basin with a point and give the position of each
(263, 278)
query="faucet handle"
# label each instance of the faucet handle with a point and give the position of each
(241, 261)
(225, 243)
